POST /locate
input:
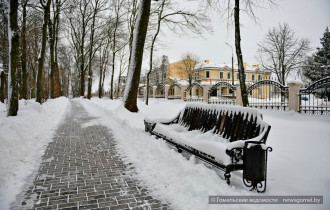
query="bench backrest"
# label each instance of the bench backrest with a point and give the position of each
(231, 122)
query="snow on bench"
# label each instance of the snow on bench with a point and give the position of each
(218, 135)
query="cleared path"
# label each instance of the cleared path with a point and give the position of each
(81, 169)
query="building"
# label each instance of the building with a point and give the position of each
(188, 76)
(207, 73)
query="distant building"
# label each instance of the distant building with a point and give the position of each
(175, 75)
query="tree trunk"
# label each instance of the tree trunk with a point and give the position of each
(100, 82)
(82, 70)
(41, 58)
(113, 72)
(239, 55)
(13, 37)
(24, 91)
(56, 74)
(3, 86)
(134, 72)
(118, 86)
(90, 73)
(114, 54)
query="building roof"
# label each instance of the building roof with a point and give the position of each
(208, 65)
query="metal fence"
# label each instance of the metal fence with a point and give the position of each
(194, 99)
(315, 98)
(222, 93)
(268, 94)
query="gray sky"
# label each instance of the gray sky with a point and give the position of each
(308, 18)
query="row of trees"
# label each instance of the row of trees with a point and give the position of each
(60, 45)
(56, 47)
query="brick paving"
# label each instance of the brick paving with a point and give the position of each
(81, 169)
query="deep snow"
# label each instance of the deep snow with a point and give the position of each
(298, 164)
(23, 140)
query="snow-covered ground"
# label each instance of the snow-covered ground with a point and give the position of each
(23, 140)
(298, 164)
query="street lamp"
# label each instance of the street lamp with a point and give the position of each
(232, 63)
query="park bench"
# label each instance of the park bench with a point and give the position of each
(228, 137)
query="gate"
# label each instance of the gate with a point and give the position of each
(194, 92)
(315, 98)
(222, 93)
(268, 94)
(174, 91)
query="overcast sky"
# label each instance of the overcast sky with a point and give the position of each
(308, 18)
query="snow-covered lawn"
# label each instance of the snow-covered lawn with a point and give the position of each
(23, 140)
(298, 164)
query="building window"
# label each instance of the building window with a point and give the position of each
(207, 74)
(253, 77)
(228, 75)
(245, 76)
(259, 78)
(221, 75)
(237, 76)
(196, 76)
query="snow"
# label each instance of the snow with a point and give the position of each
(23, 139)
(298, 164)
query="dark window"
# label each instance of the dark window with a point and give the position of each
(207, 74)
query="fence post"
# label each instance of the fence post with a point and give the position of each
(167, 87)
(183, 94)
(154, 91)
(294, 88)
(238, 95)
(206, 93)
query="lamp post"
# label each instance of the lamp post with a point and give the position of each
(232, 63)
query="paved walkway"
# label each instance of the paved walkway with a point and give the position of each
(81, 169)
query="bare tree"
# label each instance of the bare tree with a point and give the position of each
(33, 35)
(3, 49)
(13, 37)
(53, 28)
(122, 67)
(98, 6)
(24, 91)
(189, 61)
(233, 10)
(117, 37)
(80, 14)
(104, 57)
(134, 70)
(46, 7)
(176, 19)
(281, 52)
(132, 8)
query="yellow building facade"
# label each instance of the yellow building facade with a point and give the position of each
(176, 76)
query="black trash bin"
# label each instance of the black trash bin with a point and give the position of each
(255, 165)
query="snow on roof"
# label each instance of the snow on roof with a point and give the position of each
(180, 81)
(224, 65)
(212, 66)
